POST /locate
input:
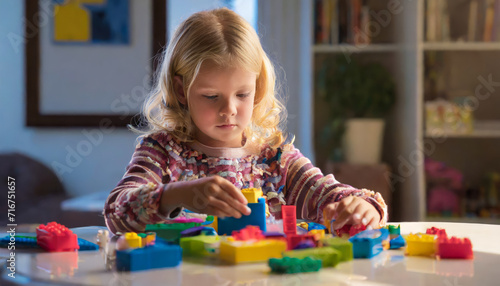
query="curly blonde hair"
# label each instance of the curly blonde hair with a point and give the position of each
(224, 37)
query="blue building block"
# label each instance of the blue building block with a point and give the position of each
(368, 243)
(257, 218)
(159, 255)
(25, 242)
(398, 242)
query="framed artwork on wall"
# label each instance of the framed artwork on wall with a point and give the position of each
(90, 61)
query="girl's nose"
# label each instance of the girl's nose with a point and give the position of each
(228, 108)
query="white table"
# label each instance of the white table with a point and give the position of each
(389, 267)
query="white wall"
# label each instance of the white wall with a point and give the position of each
(89, 165)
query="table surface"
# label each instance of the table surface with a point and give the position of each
(388, 268)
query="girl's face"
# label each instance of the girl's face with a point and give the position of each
(221, 104)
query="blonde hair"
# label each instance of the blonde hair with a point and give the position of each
(224, 37)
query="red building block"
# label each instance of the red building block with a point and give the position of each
(293, 239)
(352, 230)
(56, 237)
(437, 231)
(454, 247)
(289, 216)
(248, 233)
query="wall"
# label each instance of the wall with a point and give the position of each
(88, 159)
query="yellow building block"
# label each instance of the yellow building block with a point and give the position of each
(243, 251)
(318, 233)
(133, 240)
(420, 244)
(252, 194)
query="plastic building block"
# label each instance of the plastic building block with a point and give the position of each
(257, 218)
(394, 231)
(159, 255)
(56, 237)
(368, 243)
(252, 194)
(198, 245)
(343, 246)
(318, 234)
(294, 239)
(187, 220)
(294, 265)
(420, 244)
(397, 242)
(27, 242)
(328, 256)
(304, 245)
(289, 215)
(133, 240)
(313, 225)
(248, 233)
(437, 231)
(303, 225)
(454, 247)
(170, 232)
(147, 238)
(198, 230)
(274, 235)
(242, 251)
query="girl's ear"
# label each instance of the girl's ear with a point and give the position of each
(179, 90)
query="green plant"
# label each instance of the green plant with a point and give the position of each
(353, 90)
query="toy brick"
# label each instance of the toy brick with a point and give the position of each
(27, 242)
(159, 255)
(394, 231)
(437, 231)
(318, 234)
(420, 244)
(197, 245)
(56, 237)
(170, 231)
(460, 248)
(248, 233)
(252, 194)
(198, 230)
(294, 239)
(289, 215)
(397, 242)
(133, 240)
(241, 251)
(294, 265)
(342, 245)
(369, 243)
(257, 218)
(187, 220)
(328, 256)
(304, 245)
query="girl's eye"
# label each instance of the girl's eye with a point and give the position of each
(211, 97)
(243, 95)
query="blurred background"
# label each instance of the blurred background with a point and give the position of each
(396, 96)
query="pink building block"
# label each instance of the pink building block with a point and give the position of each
(454, 247)
(248, 233)
(289, 216)
(56, 237)
(437, 231)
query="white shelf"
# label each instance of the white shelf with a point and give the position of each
(373, 48)
(461, 46)
(482, 129)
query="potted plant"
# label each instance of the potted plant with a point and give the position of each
(359, 97)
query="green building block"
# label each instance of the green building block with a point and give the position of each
(171, 232)
(344, 247)
(294, 265)
(394, 230)
(329, 256)
(195, 245)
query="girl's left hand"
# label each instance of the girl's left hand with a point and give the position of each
(352, 210)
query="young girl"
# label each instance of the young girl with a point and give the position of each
(213, 122)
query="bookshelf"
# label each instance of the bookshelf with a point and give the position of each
(404, 46)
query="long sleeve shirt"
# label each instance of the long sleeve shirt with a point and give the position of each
(284, 174)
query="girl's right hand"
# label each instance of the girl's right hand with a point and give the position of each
(210, 195)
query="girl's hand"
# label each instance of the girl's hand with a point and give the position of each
(210, 195)
(352, 210)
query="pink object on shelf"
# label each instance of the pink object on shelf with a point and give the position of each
(289, 219)
(460, 248)
(56, 237)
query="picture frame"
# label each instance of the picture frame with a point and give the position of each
(37, 99)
